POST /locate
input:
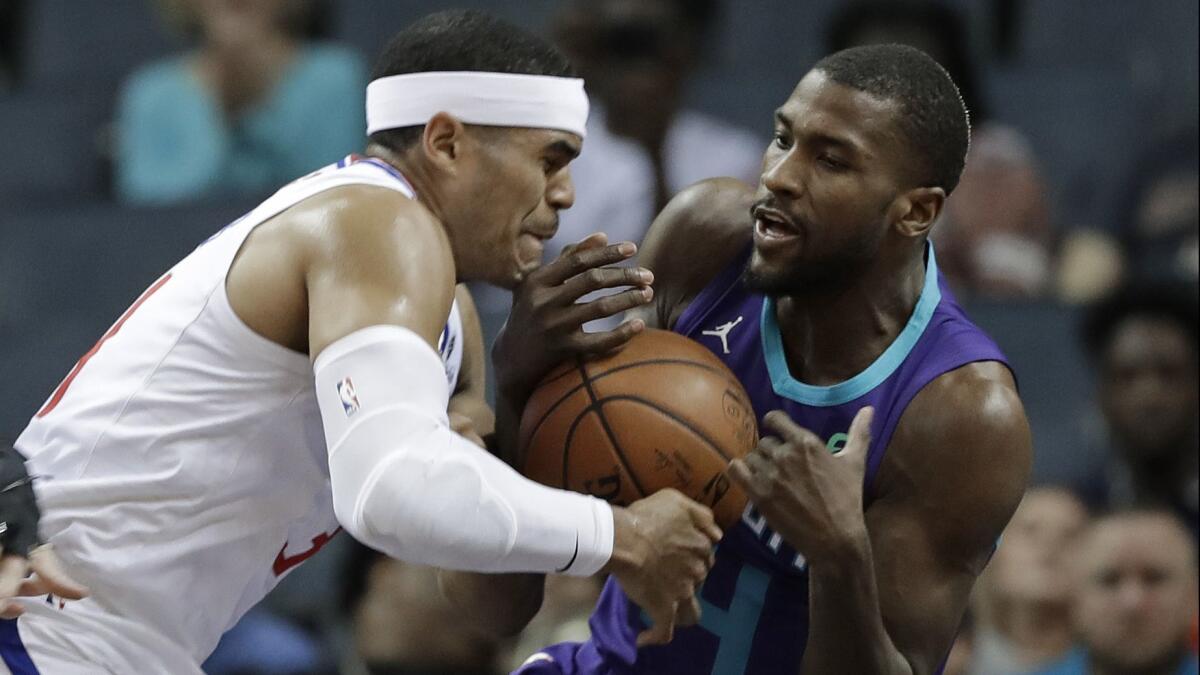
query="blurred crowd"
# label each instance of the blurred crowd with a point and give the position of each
(1098, 575)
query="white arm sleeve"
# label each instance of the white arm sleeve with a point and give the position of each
(405, 484)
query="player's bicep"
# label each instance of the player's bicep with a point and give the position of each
(377, 259)
(923, 592)
(954, 476)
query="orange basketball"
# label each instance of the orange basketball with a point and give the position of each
(663, 412)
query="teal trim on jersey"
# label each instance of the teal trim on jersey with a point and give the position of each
(736, 626)
(843, 392)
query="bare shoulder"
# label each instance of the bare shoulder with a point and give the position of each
(963, 445)
(373, 256)
(697, 235)
(982, 393)
(354, 218)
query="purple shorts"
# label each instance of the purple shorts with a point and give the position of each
(572, 658)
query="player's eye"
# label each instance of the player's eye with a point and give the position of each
(832, 163)
(781, 140)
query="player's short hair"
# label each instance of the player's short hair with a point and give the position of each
(933, 118)
(462, 40)
(1171, 301)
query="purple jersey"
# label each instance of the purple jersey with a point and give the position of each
(755, 600)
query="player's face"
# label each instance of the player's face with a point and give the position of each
(829, 177)
(1149, 387)
(1137, 595)
(517, 189)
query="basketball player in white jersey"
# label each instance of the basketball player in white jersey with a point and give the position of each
(293, 376)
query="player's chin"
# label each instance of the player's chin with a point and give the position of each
(514, 273)
(527, 253)
(767, 270)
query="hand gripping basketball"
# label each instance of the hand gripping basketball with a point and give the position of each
(19, 516)
(545, 326)
(662, 551)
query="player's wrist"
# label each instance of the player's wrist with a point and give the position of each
(628, 550)
(847, 549)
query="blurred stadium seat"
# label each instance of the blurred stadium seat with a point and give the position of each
(1083, 123)
(71, 42)
(53, 145)
(67, 274)
(1041, 342)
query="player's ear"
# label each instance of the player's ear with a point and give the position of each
(442, 140)
(915, 211)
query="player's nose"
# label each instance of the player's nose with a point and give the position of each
(560, 191)
(782, 179)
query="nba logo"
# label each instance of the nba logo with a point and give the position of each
(349, 399)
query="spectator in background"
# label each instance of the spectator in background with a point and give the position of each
(1134, 598)
(254, 105)
(996, 239)
(1023, 597)
(1160, 227)
(1142, 340)
(643, 144)
(1157, 230)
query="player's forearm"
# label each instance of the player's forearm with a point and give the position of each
(510, 401)
(500, 605)
(846, 632)
(404, 483)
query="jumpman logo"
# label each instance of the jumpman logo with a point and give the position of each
(722, 332)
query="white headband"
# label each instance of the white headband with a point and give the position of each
(493, 99)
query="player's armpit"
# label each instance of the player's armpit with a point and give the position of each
(955, 471)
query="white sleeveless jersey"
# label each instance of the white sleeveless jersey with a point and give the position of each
(183, 462)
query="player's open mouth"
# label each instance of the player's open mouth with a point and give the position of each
(772, 227)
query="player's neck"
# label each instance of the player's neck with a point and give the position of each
(831, 336)
(420, 180)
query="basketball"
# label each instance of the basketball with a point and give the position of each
(663, 412)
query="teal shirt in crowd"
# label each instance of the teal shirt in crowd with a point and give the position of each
(1076, 663)
(174, 143)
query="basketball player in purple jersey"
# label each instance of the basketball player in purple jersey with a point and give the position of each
(895, 446)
